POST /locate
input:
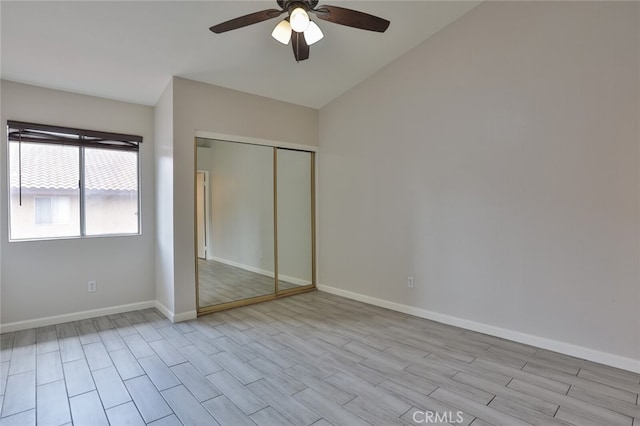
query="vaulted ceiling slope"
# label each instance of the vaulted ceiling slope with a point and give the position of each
(128, 50)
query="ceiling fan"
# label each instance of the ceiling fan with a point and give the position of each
(298, 28)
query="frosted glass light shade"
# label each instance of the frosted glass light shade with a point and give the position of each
(299, 20)
(282, 32)
(313, 34)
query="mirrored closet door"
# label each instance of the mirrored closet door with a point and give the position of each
(254, 223)
(295, 219)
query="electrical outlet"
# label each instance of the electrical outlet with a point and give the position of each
(410, 282)
(92, 286)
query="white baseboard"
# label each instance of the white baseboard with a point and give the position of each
(165, 311)
(173, 317)
(243, 266)
(185, 316)
(75, 316)
(594, 355)
(266, 273)
(294, 280)
(112, 310)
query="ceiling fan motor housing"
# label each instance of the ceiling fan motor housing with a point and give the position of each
(288, 5)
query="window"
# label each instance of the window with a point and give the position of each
(52, 210)
(69, 183)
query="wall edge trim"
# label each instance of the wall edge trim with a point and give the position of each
(74, 316)
(173, 317)
(266, 273)
(185, 316)
(254, 141)
(582, 352)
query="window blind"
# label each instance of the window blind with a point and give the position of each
(19, 131)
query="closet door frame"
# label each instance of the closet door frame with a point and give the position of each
(312, 150)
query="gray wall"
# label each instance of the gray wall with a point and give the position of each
(49, 278)
(498, 163)
(200, 106)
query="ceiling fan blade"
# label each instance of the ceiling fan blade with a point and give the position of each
(351, 18)
(300, 46)
(243, 21)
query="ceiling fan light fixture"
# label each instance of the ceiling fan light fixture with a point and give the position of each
(297, 29)
(299, 20)
(313, 33)
(282, 32)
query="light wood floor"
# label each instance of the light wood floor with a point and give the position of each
(221, 283)
(308, 359)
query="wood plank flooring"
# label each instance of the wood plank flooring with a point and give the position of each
(308, 359)
(221, 283)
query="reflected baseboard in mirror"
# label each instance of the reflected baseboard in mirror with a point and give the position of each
(220, 283)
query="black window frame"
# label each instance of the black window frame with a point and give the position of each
(20, 131)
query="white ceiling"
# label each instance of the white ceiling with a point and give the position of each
(129, 50)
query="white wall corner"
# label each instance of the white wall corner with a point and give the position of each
(582, 352)
(75, 316)
(173, 317)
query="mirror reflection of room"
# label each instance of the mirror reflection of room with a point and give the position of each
(238, 197)
(294, 219)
